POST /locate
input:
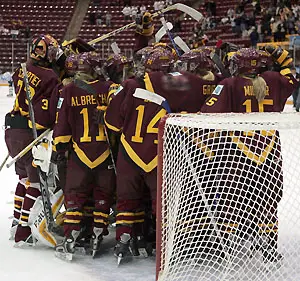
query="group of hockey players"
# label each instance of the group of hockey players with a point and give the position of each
(100, 159)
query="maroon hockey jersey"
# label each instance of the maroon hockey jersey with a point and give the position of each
(42, 81)
(137, 115)
(76, 124)
(235, 94)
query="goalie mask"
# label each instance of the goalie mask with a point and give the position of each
(246, 61)
(118, 68)
(195, 61)
(45, 50)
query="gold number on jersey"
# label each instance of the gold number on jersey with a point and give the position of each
(151, 129)
(211, 101)
(248, 104)
(45, 104)
(86, 128)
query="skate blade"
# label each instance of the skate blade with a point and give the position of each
(64, 256)
(81, 251)
(23, 245)
(94, 253)
(143, 252)
(119, 257)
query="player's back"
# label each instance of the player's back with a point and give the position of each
(88, 137)
(42, 81)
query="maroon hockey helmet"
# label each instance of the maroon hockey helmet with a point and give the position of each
(245, 61)
(71, 64)
(89, 61)
(196, 60)
(159, 59)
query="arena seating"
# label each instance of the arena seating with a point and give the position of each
(125, 39)
(41, 16)
(47, 16)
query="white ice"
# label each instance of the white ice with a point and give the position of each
(39, 263)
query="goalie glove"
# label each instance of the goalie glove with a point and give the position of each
(144, 24)
(280, 56)
(42, 154)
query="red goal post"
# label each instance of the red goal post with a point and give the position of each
(228, 198)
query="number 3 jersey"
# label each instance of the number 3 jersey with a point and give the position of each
(136, 109)
(42, 81)
(76, 122)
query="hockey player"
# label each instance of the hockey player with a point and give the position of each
(252, 203)
(135, 112)
(117, 68)
(89, 161)
(18, 134)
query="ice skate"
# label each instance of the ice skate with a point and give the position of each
(122, 247)
(140, 247)
(13, 229)
(30, 241)
(96, 240)
(66, 249)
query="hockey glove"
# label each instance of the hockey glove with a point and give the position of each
(144, 24)
(41, 155)
(281, 57)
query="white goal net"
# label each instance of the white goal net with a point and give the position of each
(229, 197)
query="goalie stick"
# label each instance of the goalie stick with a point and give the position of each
(181, 7)
(42, 176)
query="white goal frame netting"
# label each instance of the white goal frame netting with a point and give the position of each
(229, 197)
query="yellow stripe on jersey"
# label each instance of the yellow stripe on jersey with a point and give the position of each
(91, 164)
(136, 159)
(258, 159)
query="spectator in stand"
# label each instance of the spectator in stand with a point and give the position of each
(126, 12)
(169, 2)
(134, 12)
(297, 91)
(177, 24)
(254, 37)
(3, 30)
(92, 18)
(143, 9)
(108, 18)
(161, 5)
(98, 19)
(230, 13)
(156, 5)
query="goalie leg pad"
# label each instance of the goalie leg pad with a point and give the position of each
(37, 219)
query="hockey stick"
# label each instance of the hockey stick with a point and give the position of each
(164, 23)
(217, 61)
(181, 44)
(4, 161)
(161, 32)
(42, 175)
(181, 7)
(27, 148)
